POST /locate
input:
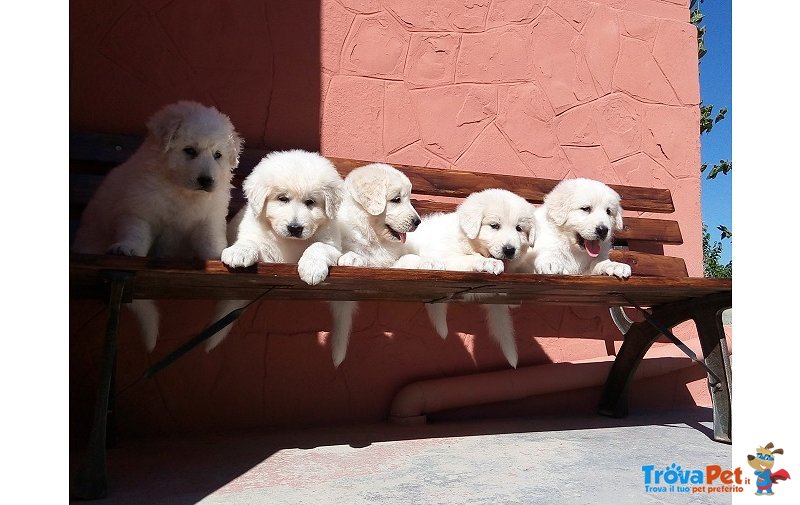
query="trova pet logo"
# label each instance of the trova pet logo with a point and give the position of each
(676, 479)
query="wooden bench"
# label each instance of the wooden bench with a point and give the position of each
(659, 282)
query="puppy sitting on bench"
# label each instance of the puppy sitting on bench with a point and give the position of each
(292, 201)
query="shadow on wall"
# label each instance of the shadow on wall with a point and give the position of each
(257, 61)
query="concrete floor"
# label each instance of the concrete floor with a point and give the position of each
(510, 461)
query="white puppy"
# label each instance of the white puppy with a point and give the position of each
(169, 199)
(490, 231)
(375, 215)
(292, 201)
(374, 218)
(574, 230)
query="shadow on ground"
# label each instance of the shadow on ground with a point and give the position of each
(515, 460)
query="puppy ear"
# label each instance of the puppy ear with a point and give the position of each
(369, 191)
(333, 196)
(235, 146)
(257, 187)
(470, 215)
(164, 125)
(615, 198)
(557, 204)
(618, 225)
(532, 221)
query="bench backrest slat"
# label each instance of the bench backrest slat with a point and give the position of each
(114, 149)
(460, 184)
(83, 186)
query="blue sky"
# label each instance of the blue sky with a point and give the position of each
(715, 88)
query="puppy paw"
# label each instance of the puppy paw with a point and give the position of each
(351, 259)
(238, 256)
(616, 269)
(549, 268)
(489, 265)
(312, 271)
(123, 249)
(431, 264)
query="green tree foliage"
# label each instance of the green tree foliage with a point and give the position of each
(712, 254)
(706, 125)
(696, 17)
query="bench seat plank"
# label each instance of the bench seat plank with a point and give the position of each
(197, 279)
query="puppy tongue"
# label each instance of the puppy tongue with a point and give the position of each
(592, 247)
(402, 238)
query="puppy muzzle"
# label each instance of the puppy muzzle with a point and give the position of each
(509, 252)
(399, 233)
(294, 230)
(399, 236)
(205, 183)
(591, 246)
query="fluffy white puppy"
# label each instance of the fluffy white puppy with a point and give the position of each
(490, 231)
(574, 230)
(169, 199)
(374, 218)
(292, 201)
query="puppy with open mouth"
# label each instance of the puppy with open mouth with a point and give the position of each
(574, 230)
(374, 218)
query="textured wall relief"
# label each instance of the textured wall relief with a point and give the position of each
(558, 88)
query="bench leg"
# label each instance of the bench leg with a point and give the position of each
(614, 401)
(715, 353)
(640, 337)
(90, 482)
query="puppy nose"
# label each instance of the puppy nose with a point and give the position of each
(295, 230)
(205, 182)
(601, 231)
(509, 250)
(414, 223)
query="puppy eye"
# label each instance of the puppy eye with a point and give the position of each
(494, 226)
(283, 198)
(190, 151)
(310, 202)
(217, 155)
(586, 209)
(519, 228)
(608, 211)
(395, 199)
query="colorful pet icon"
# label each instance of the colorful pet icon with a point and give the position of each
(763, 462)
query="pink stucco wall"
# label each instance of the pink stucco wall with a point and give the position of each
(551, 88)
(555, 89)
